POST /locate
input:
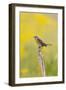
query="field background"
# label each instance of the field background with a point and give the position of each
(45, 26)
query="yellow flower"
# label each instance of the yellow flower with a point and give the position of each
(24, 71)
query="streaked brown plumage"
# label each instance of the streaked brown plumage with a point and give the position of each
(40, 42)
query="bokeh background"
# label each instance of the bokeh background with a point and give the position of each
(44, 25)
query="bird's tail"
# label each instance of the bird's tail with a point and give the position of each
(49, 44)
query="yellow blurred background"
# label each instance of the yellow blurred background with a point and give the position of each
(44, 25)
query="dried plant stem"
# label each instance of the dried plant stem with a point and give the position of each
(41, 61)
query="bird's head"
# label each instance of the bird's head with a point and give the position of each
(36, 37)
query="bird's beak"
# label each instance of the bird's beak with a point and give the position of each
(34, 37)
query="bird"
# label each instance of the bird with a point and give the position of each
(40, 42)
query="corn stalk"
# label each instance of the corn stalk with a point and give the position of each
(41, 61)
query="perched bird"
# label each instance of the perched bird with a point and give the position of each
(40, 42)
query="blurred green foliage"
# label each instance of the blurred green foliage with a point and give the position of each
(44, 25)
